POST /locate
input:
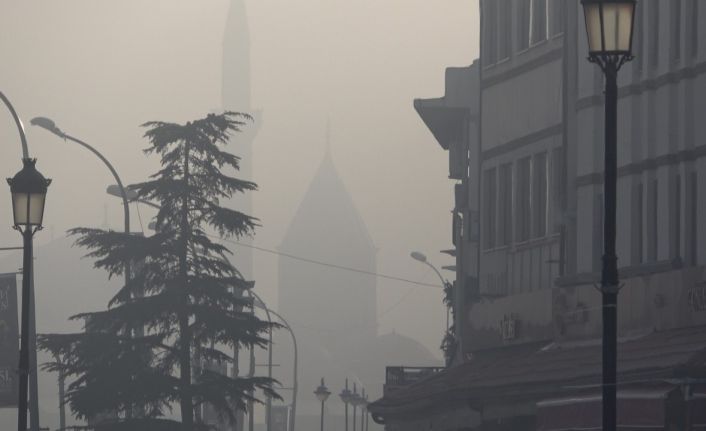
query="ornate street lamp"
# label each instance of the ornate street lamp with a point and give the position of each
(322, 393)
(363, 404)
(346, 395)
(29, 190)
(609, 27)
(354, 402)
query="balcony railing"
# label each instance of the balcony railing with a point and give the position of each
(397, 377)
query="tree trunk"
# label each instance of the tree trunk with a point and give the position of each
(186, 402)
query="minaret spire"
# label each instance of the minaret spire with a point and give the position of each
(235, 90)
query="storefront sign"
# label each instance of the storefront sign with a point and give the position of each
(9, 337)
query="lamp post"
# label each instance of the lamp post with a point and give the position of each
(268, 402)
(322, 393)
(346, 398)
(34, 403)
(354, 403)
(29, 190)
(363, 406)
(421, 257)
(295, 379)
(609, 27)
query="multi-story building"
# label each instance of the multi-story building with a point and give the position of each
(530, 354)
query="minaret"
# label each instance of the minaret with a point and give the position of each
(235, 87)
(235, 96)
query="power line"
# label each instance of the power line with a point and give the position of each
(330, 265)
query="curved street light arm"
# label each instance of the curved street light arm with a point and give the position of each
(20, 126)
(443, 282)
(295, 383)
(126, 202)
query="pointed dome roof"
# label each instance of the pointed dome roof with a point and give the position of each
(327, 216)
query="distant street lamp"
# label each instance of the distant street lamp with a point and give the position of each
(354, 402)
(29, 190)
(346, 395)
(421, 257)
(363, 406)
(322, 393)
(609, 27)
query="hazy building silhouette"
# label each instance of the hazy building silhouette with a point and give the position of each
(333, 311)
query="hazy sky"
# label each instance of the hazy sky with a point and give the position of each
(102, 68)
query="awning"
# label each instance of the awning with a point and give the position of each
(637, 409)
(535, 372)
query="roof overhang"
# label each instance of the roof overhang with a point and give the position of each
(445, 122)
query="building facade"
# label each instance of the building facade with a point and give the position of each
(530, 327)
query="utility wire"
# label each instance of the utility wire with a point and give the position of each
(317, 262)
(330, 265)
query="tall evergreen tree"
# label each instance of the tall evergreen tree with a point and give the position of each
(183, 293)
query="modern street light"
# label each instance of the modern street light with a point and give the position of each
(295, 373)
(421, 257)
(268, 402)
(609, 27)
(322, 393)
(29, 190)
(49, 125)
(346, 395)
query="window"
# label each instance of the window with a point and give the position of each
(539, 195)
(490, 200)
(653, 48)
(490, 31)
(523, 21)
(637, 225)
(557, 12)
(505, 200)
(675, 18)
(523, 220)
(504, 28)
(539, 21)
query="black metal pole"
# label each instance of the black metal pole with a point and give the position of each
(354, 413)
(362, 418)
(322, 416)
(609, 277)
(24, 346)
(346, 427)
